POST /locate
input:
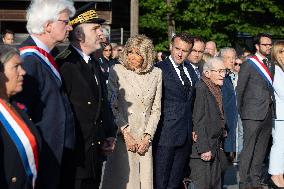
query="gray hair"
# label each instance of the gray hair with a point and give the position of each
(225, 50)
(42, 11)
(77, 34)
(6, 53)
(210, 62)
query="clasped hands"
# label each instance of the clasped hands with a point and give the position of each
(141, 147)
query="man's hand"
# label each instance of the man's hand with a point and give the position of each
(144, 145)
(108, 145)
(206, 156)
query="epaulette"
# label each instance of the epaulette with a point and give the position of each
(63, 54)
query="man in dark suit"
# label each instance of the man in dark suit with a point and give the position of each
(173, 136)
(195, 56)
(228, 56)
(43, 94)
(85, 88)
(256, 107)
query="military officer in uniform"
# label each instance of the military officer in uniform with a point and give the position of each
(85, 88)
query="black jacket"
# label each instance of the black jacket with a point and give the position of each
(93, 117)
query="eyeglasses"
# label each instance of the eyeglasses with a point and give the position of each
(66, 22)
(266, 44)
(220, 71)
(237, 64)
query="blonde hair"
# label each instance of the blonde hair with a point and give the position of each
(146, 49)
(278, 46)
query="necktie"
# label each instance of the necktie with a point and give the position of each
(183, 76)
(267, 64)
(197, 72)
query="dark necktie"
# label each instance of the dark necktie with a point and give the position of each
(186, 81)
(267, 64)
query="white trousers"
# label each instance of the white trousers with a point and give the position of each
(276, 161)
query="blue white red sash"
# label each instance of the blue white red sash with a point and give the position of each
(45, 58)
(23, 139)
(261, 68)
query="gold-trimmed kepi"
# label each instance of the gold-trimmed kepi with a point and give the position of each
(86, 14)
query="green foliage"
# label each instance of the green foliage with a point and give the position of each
(219, 20)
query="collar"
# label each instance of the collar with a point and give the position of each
(193, 65)
(40, 44)
(260, 57)
(83, 55)
(173, 63)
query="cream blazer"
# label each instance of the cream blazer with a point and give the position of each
(135, 99)
(136, 103)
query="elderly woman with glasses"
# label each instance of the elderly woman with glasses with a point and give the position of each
(19, 139)
(208, 126)
(134, 89)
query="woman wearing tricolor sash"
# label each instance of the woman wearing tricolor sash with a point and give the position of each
(19, 139)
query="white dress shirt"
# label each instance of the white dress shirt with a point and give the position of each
(40, 44)
(178, 71)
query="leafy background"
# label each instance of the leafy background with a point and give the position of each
(223, 21)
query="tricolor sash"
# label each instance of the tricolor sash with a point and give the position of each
(261, 68)
(45, 58)
(23, 139)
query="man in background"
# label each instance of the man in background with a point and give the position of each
(8, 37)
(195, 56)
(211, 48)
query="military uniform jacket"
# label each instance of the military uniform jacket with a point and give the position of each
(93, 118)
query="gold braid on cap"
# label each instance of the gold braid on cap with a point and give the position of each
(84, 17)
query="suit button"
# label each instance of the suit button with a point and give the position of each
(99, 142)
(92, 144)
(89, 103)
(14, 179)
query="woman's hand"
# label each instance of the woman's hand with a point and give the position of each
(144, 145)
(130, 142)
(206, 156)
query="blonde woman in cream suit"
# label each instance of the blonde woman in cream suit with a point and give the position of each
(134, 90)
(276, 162)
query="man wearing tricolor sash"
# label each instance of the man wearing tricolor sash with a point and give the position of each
(256, 106)
(44, 95)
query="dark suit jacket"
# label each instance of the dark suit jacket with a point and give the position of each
(49, 109)
(175, 125)
(254, 95)
(12, 174)
(85, 88)
(231, 114)
(195, 74)
(207, 122)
